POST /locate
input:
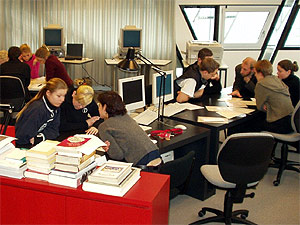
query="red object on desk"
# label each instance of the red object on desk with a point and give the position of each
(29, 201)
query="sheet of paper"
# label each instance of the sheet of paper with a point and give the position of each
(229, 114)
(249, 102)
(190, 106)
(236, 103)
(207, 119)
(216, 108)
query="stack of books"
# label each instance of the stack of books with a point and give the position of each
(75, 159)
(40, 160)
(12, 160)
(112, 178)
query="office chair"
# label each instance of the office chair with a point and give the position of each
(243, 160)
(180, 171)
(12, 98)
(283, 163)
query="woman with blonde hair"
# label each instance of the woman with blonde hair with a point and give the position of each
(53, 67)
(273, 97)
(29, 58)
(79, 113)
(40, 118)
(3, 56)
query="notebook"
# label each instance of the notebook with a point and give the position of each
(74, 51)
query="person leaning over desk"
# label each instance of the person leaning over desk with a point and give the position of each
(54, 68)
(40, 117)
(273, 97)
(194, 80)
(127, 139)
(79, 113)
(245, 81)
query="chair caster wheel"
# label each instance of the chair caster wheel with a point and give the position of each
(275, 182)
(244, 216)
(201, 213)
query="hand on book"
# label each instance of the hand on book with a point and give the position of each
(92, 120)
(107, 146)
(92, 130)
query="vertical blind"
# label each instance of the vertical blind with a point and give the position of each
(95, 23)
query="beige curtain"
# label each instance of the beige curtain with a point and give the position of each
(95, 23)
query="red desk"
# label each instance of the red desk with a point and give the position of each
(29, 201)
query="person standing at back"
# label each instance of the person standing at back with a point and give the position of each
(29, 58)
(245, 81)
(285, 72)
(54, 68)
(14, 67)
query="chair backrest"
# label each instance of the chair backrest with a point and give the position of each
(295, 120)
(244, 158)
(12, 92)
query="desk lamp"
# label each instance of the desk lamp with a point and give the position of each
(130, 65)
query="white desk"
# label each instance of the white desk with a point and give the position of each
(76, 62)
(223, 68)
(115, 61)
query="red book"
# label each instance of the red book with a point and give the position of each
(73, 142)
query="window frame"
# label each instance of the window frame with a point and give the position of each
(247, 8)
(290, 24)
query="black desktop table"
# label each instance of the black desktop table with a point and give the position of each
(191, 117)
(194, 138)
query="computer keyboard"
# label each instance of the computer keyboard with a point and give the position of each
(146, 117)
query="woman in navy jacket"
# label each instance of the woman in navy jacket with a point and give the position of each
(40, 118)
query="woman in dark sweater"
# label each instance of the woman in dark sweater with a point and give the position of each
(285, 72)
(54, 68)
(127, 139)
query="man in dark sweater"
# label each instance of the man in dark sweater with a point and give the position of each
(14, 67)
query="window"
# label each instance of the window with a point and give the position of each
(201, 21)
(245, 27)
(293, 39)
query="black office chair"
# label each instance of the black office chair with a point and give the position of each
(180, 172)
(12, 98)
(283, 163)
(243, 160)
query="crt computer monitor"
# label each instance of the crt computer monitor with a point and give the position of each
(131, 37)
(156, 87)
(53, 37)
(132, 91)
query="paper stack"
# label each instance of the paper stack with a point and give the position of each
(40, 160)
(112, 178)
(75, 159)
(12, 160)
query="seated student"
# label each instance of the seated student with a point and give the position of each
(127, 139)
(285, 72)
(79, 113)
(29, 58)
(244, 83)
(3, 56)
(53, 67)
(39, 119)
(273, 97)
(193, 81)
(14, 67)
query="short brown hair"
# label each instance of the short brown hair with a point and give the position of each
(204, 52)
(264, 66)
(209, 65)
(25, 48)
(114, 104)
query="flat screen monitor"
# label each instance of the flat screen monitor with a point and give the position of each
(74, 51)
(132, 91)
(131, 37)
(157, 88)
(53, 37)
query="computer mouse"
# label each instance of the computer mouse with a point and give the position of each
(181, 126)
